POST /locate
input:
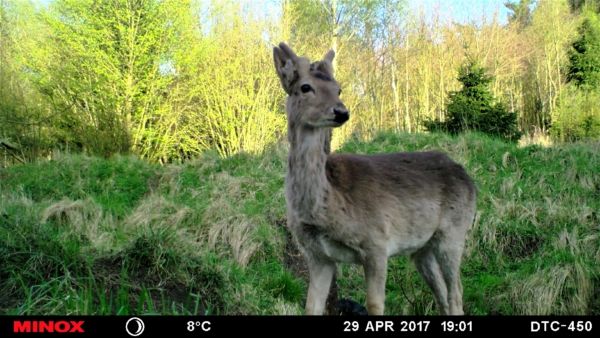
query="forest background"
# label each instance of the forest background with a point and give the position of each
(167, 80)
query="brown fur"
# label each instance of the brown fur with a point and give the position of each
(364, 209)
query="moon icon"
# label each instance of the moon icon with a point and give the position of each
(134, 326)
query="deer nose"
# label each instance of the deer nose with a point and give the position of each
(340, 115)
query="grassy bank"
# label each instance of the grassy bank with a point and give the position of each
(82, 235)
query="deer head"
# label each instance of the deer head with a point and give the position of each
(313, 94)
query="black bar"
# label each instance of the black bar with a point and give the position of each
(250, 326)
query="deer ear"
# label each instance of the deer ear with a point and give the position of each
(329, 56)
(285, 65)
(326, 65)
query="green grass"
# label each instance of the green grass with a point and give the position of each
(83, 235)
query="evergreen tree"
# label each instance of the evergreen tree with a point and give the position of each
(584, 67)
(473, 107)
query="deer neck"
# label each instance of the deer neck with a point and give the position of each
(307, 186)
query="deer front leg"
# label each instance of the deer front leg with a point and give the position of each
(321, 273)
(375, 273)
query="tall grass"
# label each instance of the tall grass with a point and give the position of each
(84, 235)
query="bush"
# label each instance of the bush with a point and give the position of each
(577, 116)
(473, 108)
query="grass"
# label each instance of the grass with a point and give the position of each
(83, 235)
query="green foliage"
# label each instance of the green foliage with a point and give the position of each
(584, 67)
(578, 5)
(359, 32)
(473, 107)
(22, 110)
(577, 116)
(521, 12)
(326, 21)
(237, 101)
(543, 57)
(101, 68)
(167, 80)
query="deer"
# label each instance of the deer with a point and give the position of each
(366, 209)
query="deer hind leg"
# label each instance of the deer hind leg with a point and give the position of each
(431, 271)
(321, 273)
(449, 254)
(375, 274)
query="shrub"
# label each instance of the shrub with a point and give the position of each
(577, 116)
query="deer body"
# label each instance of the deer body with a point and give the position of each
(365, 209)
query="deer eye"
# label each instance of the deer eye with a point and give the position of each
(305, 88)
(340, 92)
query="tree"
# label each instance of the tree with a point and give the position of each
(101, 70)
(224, 95)
(579, 5)
(548, 39)
(473, 107)
(23, 137)
(584, 57)
(521, 12)
(364, 35)
(578, 116)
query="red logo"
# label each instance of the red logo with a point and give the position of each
(49, 326)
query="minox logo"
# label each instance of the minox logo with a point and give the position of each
(48, 326)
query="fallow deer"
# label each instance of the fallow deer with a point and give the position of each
(365, 209)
